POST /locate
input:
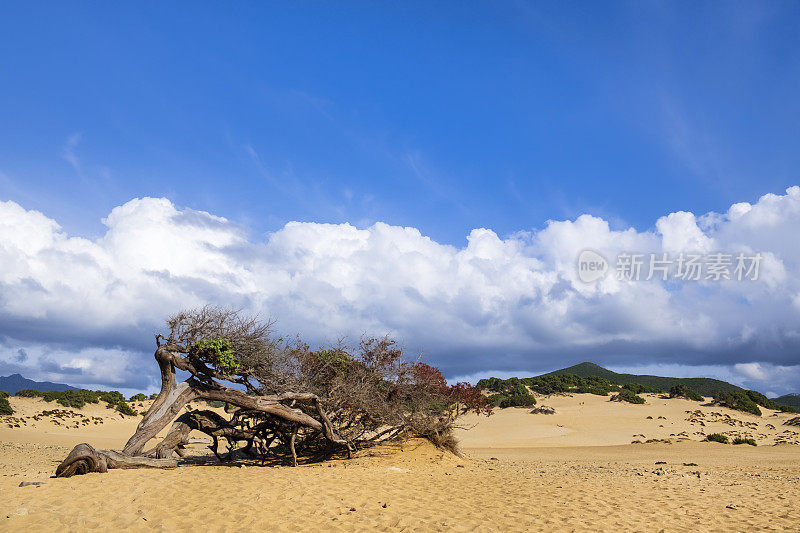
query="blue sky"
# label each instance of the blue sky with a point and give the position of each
(555, 125)
(442, 116)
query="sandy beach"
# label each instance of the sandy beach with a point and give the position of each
(575, 470)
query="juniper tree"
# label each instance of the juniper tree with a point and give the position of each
(282, 398)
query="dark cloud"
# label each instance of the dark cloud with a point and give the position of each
(7, 368)
(70, 333)
(49, 366)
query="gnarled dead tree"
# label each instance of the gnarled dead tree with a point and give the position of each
(284, 398)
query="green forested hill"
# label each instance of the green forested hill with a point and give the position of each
(704, 386)
(594, 379)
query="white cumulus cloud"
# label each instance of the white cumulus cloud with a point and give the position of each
(498, 302)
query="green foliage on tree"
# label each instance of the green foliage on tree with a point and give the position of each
(334, 357)
(138, 398)
(219, 352)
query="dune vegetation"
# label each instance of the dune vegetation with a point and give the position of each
(79, 398)
(594, 379)
(5, 407)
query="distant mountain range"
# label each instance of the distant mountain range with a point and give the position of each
(704, 386)
(15, 383)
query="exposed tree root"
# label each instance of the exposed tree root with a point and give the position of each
(83, 459)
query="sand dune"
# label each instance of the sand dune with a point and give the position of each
(590, 420)
(575, 470)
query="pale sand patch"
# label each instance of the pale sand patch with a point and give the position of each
(590, 420)
(511, 482)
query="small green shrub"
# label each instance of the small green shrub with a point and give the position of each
(595, 385)
(490, 384)
(138, 398)
(763, 401)
(519, 400)
(748, 401)
(4, 394)
(75, 398)
(5, 407)
(759, 399)
(625, 395)
(126, 409)
(112, 397)
(71, 398)
(154, 396)
(509, 393)
(717, 437)
(636, 388)
(496, 399)
(553, 384)
(684, 391)
(739, 400)
(742, 440)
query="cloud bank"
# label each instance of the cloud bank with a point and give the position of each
(84, 311)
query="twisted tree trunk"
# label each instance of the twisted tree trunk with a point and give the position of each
(169, 403)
